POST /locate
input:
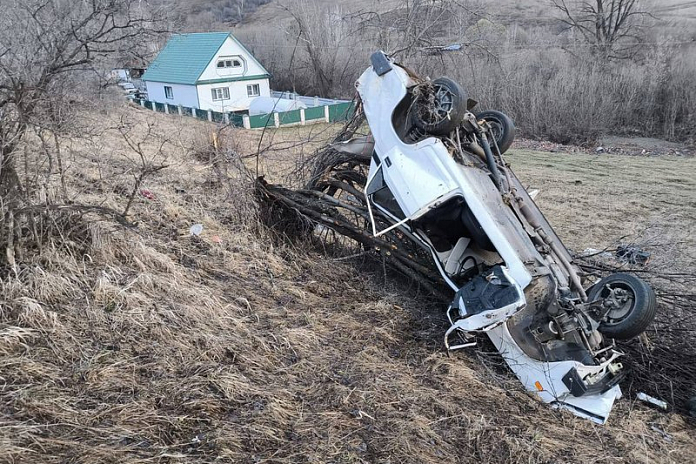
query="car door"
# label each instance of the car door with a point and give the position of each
(416, 178)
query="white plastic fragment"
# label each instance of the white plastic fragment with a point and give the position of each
(196, 229)
(652, 400)
(591, 252)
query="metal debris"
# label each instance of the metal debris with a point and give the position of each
(644, 397)
(632, 254)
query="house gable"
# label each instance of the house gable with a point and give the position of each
(189, 58)
(232, 51)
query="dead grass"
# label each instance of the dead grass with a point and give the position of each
(596, 200)
(156, 346)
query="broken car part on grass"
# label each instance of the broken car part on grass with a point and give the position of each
(431, 181)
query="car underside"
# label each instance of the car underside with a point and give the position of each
(437, 176)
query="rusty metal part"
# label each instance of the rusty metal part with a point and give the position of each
(575, 279)
(476, 149)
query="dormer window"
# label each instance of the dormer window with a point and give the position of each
(224, 63)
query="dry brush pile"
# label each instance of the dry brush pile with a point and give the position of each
(145, 343)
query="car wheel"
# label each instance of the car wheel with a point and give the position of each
(502, 128)
(439, 107)
(632, 305)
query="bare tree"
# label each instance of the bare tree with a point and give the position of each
(147, 157)
(47, 50)
(332, 43)
(325, 36)
(613, 27)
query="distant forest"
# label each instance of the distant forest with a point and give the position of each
(200, 14)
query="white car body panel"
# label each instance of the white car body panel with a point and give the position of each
(549, 375)
(434, 175)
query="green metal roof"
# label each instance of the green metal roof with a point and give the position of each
(185, 56)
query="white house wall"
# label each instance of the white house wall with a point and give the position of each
(184, 95)
(238, 95)
(230, 48)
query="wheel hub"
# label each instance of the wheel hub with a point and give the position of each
(438, 105)
(619, 302)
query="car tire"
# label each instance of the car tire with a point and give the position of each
(502, 127)
(450, 108)
(637, 312)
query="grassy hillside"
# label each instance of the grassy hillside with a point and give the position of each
(146, 344)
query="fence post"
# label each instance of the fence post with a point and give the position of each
(326, 113)
(302, 117)
(193, 112)
(210, 115)
(166, 108)
(154, 106)
(179, 110)
(142, 103)
(245, 121)
(276, 119)
(226, 117)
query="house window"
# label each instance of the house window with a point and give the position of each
(168, 92)
(253, 90)
(221, 93)
(229, 63)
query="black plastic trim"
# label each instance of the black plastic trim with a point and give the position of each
(380, 63)
(578, 387)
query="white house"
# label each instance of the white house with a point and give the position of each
(208, 71)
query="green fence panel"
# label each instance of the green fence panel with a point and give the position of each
(341, 112)
(218, 117)
(316, 112)
(290, 117)
(337, 112)
(237, 119)
(261, 120)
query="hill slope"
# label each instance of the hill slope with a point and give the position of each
(149, 344)
(525, 12)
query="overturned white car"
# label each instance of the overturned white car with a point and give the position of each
(437, 176)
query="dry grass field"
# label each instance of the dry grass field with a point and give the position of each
(595, 200)
(148, 345)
